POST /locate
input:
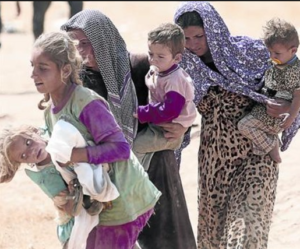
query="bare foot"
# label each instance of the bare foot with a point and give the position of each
(274, 153)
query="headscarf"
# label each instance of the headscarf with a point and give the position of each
(240, 60)
(113, 62)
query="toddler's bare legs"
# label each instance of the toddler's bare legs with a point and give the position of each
(274, 153)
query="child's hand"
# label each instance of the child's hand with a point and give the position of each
(135, 115)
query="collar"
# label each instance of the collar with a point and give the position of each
(291, 61)
(169, 71)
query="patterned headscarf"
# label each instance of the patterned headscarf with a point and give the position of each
(113, 62)
(240, 60)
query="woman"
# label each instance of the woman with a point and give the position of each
(236, 188)
(107, 70)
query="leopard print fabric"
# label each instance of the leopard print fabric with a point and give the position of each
(237, 189)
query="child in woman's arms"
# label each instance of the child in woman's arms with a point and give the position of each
(171, 93)
(282, 81)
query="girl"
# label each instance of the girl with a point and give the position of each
(55, 74)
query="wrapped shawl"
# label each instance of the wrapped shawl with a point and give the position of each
(240, 60)
(94, 179)
(113, 62)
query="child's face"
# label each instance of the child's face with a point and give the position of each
(25, 149)
(281, 53)
(160, 56)
(45, 73)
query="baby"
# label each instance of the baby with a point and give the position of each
(282, 81)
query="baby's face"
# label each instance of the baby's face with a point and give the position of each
(25, 149)
(280, 53)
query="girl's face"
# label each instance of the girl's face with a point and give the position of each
(195, 39)
(45, 73)
(25, 149)
(85, 49)
(160, 56)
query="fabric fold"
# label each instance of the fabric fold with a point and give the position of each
(94, 179)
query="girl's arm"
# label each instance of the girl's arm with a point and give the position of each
(111, 144)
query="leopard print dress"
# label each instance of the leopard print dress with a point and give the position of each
(236, 192)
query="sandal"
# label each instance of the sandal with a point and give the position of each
(77, 196)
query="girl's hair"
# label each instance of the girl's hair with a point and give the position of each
(8, 167)
(62, 51)
(170, 35)
(190, 19)
(279, 31)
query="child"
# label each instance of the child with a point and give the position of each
(26, 145)
(282, 80)
(13, 152)
(55, 74)
(171, 93)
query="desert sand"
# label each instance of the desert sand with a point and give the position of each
(26, 214)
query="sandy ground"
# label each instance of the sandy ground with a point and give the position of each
(26, 214)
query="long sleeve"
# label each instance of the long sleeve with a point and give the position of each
(163, 111)
(111, 144)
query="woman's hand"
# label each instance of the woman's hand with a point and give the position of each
(173, 130)
(277, 107)
(287, 120)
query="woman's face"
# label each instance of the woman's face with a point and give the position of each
(195, 39)
(84, 48)
(25, 149)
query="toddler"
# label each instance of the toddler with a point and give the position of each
(282, 80)
(171, 93)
